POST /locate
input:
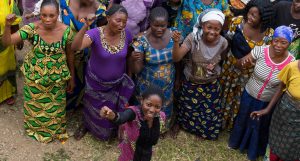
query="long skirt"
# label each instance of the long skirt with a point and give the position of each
(233, 83)
(285, 129)
(199, 110)
(45, 111)
(99, 93)
(248, 134)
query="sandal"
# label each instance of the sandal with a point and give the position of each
(10, 101)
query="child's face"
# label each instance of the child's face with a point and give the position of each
(211, 30)
(151, 106)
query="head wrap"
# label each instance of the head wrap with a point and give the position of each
(284, 32)
(207, 15)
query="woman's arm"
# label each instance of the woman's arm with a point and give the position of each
(117, 118)
(178, 52)
(70, 61)
(7, 37)
(274, 100)
(246, 62)
(80, 41)
(136, 62)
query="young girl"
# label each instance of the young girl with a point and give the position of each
(141, 125)
(200, 102)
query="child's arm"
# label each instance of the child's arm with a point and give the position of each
(275, 98)
(117, 118)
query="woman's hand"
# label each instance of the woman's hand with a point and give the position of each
(137, 56)
(71, 85)
(176, 36)
(10, 19)
(107, 113)
(89, 19)
(258, 114)
(211, 67)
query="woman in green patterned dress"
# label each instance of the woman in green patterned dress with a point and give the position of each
(47, 70)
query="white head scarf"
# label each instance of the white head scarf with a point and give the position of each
(207, 15)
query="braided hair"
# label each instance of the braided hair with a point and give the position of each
(51, 3)
(266, 12)
(158, 12)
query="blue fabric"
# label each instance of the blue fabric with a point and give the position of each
(284, 32)
(248, 134)
(239, 45)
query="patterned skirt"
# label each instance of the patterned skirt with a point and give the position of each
(199, 110)
(233, 83)
(285, 129)
(248, 134)
(45, 111)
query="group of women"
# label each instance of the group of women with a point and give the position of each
(222, 79)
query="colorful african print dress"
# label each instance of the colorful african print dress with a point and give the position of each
(233, 79)
(74, 99)
(191, 9)
(46, 73)
(8, 86)
(158, 70)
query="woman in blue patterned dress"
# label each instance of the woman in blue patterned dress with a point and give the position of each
(153, 61)
(191, 9)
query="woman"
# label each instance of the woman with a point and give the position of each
(47, 68)
(284, 128)
(107, 83)
(155, 63)
(245, 32)
(190, 10)
(74, 13)
(269, 61)
(200, 102)
(7, 56)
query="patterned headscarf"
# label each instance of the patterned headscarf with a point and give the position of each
(284, 32)
(207, 15)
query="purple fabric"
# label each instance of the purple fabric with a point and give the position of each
(106, 85)
(28, 6)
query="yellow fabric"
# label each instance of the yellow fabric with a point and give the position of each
(290, 76)
(7, 56)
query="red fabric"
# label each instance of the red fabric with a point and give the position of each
(274, 157)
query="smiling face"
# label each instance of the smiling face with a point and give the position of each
(158, 26)
(211, 30)
(296, 5)
(280, 45)
(253, 16)
(49, 15)
(117, 22)
(151, 106)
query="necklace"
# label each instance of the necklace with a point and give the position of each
(112, 49)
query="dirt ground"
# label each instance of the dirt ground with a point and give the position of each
(16, 146)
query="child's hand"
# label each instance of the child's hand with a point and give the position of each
(258, 114)
(176, 36)
(107, 113)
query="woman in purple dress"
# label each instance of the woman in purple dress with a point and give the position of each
(107, 83)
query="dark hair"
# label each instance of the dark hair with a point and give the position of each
(266, 12)
(50, 2)
(116, 8)
(158, 12)
(153, 90)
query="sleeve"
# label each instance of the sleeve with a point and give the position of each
(284, 74)
(70, 36)
(257, 52)
(26, 32)
(126, 116)
(138, 44)
(188, 41)
(233, 25)
(91, 34)
(129, 37)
